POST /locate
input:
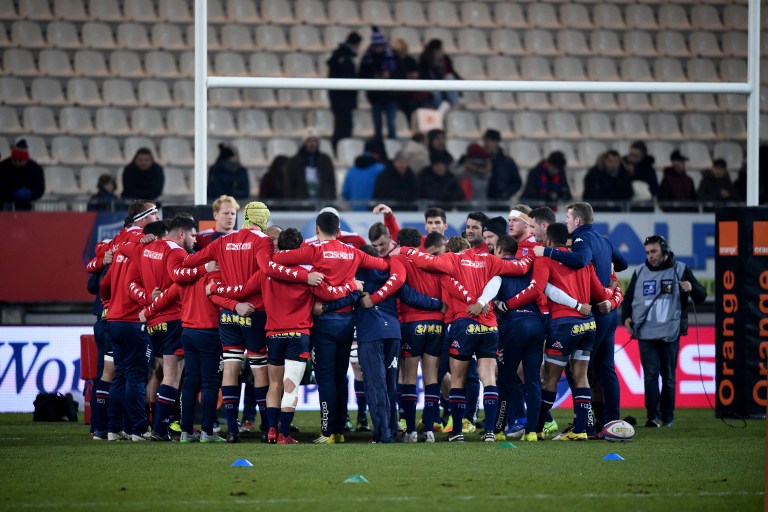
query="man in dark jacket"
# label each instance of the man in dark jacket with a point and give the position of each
(21, 179)
(547, 181)
(341, 64)
(655, 311)
(440, 184)
(397, 183)
(639, 164)
(677, 185)
(716, 185)
(505, 176)
(608, 180)
(227, 176)
(379, 63)
(310, 172)
(143, 178)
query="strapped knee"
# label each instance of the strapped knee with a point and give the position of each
(233, 355)
(353, 358)
(257, 361)
(294, 371)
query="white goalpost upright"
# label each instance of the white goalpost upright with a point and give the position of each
(203, 82)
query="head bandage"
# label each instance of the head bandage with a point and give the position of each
(522, 216)
(255, 213)
(145, 213)
(330, 209)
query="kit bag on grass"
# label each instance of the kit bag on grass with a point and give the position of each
(55, 407)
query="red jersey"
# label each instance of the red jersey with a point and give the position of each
(390, 222)
(480, 249)
(423, 282)
(345, 237)
(131, 234)
(472, 271)
(581, 284)
(198, 311)
(524, 248)
(120, 291)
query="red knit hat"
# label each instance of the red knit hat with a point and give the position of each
(20, 151)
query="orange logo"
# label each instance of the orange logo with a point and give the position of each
(760, 238)
(728, 232)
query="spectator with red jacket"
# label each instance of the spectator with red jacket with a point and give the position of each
(547, 181)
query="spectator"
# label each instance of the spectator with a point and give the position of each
(639, 165)
(741, 181)
(379, 63)
(227, 177)
(397, 183)
(361, 177)
(341, 64)
(143, 178)
(437, 182)
(105, 196)
(434, 64)
(406, 69)
(608, 180)
(547, 181)
(417, 152)
(272, 183)
(676, 184)
(310, 172)
(436, 146)
(475, 172)
(505, 176)
(716, 185)
(21, 179)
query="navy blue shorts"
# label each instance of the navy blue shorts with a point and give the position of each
(469, 338)
(287, 345)
(425, 337)
(243, 332)
(166, 338)
(570, 337)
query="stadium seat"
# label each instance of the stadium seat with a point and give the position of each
(457, 148)
(251, 152)
(476, 14)
(14, 92)
(640, 16)
(289, 147)
(705, 17)
(4, 41)
(133, 144)
(409, 35)
(494, 120)
(105, 10)
(702, 70)
(572, 42)
(175, 182)
(535, 68)
(212, 36)
(39, 120)
(62, 34)
(311, 11)
(184, 93)
(112, 121)
(539, 42)
(600, 101)
(295, 98)
(735, 17)
(563, 125)
(224, 97)
(667, 102)
(731, 126)
(305, 38)
(698, 154)
(362, 123)
(410, 13)
(66, 149)
(533, 100)
(736, 102)
(569, 68)
(443, 14)
(89, 177)
(167, 36)
(98, 35)
(45, 91)
(76, 121)
(575, 16)
(119, 92)
(469, 67)
(237, 37)
(18, 62)
(333, 35)
(181, 121)
(510, 15)
(701, 102)
(660, 150)
(506, 42)
(733, 70)
(276, 11)
(526, 153)
(634, 101)
(244, 11)
(60, 180)
(271, 38)
(528, 125)
(567, 101)
(629, 125)
(704, 44)
(125, 64)
(542, 15)
(260, 98)
(83, 91)
(288, 123)
(663, 126)
(72, 10)
(35, 10)
(54, 63)
(229, 64)
(8, 11)
(668, 70)
(343, 12)
(597, 125)
(265, 64)
(731, 152)
(154, 93)
(473, 40)
(321, 120)
(445, 35)
(299, 65)
(140, 10)
(216, 12)
(672, 16)
(132, 36)
(602, 68)
(698, 127)
(561, 145)
(605, 42)
(174, 11)
(161, 64)
(735, 44)
(176, 151)
(378, 12)
(500, 100)
(671, 44)
(607, 15)
(635, 69)
(588, 152)
(221, 123)
(639, 43)
(472, 100)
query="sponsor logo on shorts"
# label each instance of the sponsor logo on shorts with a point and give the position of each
(163, 327)
(286, 335)
(582, 328)
(557, 345)
(480, 329)
(229, 318)
(421, 329)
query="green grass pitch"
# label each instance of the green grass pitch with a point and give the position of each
(700, 464)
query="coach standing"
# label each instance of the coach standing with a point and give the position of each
(655, 312)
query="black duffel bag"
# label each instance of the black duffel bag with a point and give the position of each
(55, 407)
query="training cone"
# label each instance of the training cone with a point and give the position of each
(507, 444)
(241, 463)
(356, 479)
(613, 456)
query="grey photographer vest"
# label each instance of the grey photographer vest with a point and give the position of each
(656, 308)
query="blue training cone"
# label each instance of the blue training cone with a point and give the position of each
(613, 456)
(241, 463)
(356, 479)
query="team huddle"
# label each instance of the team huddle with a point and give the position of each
(509, 305)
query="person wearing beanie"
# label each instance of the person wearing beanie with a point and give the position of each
(361, 177)
(227, 176)
(492, 230)
(21, 179)
(310, 174)
(379, 62)
(547, 181)
(475, 171)
(143, 178)
(341, 64)
(397, 183)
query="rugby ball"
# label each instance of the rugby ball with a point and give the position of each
(618, 430)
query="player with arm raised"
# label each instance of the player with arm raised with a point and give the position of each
(434, 221)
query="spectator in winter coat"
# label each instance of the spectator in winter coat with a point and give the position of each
(608, 180)
(434, 64)
(475, 172)
(716, 185)
(272, 184)
(21, 179)
(341, 64)
(436, 146)
(438, 183)
(310, 174)
(105, 197)
(227, 176)
(677, 185)
(143, 178)
(361, 177)
(547, 181)
(505, 176)
(639, 165)
(379, 63)
(397, 184)
(406, 69)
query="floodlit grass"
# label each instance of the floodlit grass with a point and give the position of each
(700, 464)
